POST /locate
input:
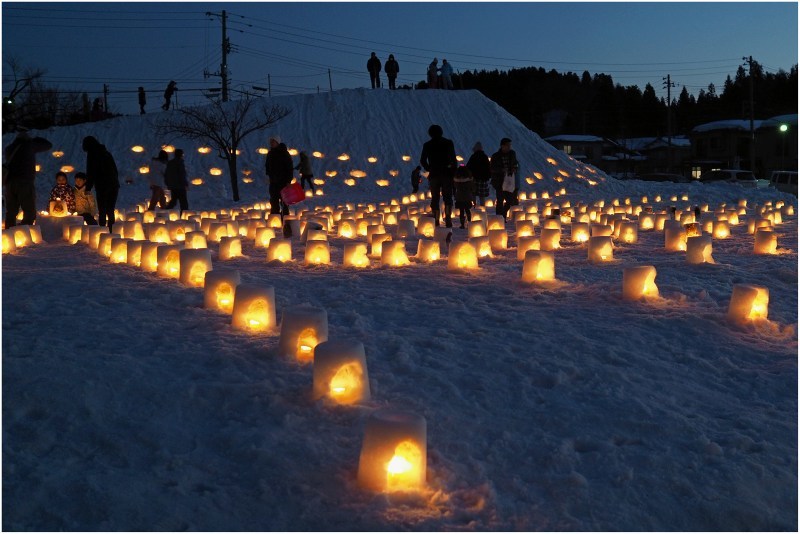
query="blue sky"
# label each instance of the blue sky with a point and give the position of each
(291, 46)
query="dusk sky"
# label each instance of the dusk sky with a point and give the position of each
(127, 44)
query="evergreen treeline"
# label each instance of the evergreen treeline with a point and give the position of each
(594, 105)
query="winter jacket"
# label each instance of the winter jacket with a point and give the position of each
(305, 166)
(64, 192)
(21, 157)
(391, 68)
(374, 65)
(478, 165)
(503, 164)
(175, 175)
(101, 170)
(84, 202)
(279, 167)
(439, 158)
(446, 69)
(157, 170)
(463, 186)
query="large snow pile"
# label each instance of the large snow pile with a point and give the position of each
(128, 406)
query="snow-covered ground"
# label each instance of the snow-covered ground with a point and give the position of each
(128, 406)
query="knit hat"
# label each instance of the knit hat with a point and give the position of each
(478, 146)
(505, 141)
(275, 138)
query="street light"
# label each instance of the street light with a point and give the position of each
(783, 128)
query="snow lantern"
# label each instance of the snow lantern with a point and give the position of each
(355, 255)
(524, 244)
(347, 228)
(600, 249)
(9, 245)
(553, 224)
(158, 233)
(477, 228)
(133, 230)
(103, 244)
(393, 254)
(279, 249)
(406, 228)
(230, 247)
(216, 231)
(263, 235)
(274, 220)
(602, 230)
(169, 261)
(638, 282)
(394, 452)
(373, 229)
(647, 221)
(302, 329)
(550, 239)
(195, 239)
(317, 252)
(462, 255)
(135, 253)
(674, 238)
(194, 263)
(495, 222)
(628, 232)
(748, 303)
(376, 244)
(220, 288)
(721, 230)
(698, 249)
(765, 242)
(253, 308)
(498, 240)
(754, 224)
(426, 226)
(119, 250)
(428, 251)
(148, 259)
(340, 371)
(538, 266)
(579, 232)
(483, 246)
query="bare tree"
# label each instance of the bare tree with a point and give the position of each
(23, 78)
(223, 125)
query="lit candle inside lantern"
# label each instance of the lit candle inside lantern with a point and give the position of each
(302, 329)
(628, 232)
(674, 238)
(317, 252)
(230, 247)
(119, 250)
(550, 239)
(135, 253)
(169, 261)
(579, 232)
(748, 303)
(279, 249)
(148, 259)
(428, 251)
(698, 249)
(600, 249)
(539, 266)
(194, 263)
(483, 246)
(9, 244)
(462, 256)
(340, 372)
(263, 236)
(195, 239)
(393, 453)
(393, 254)
(355, 255)
(524, 228)
(498, 240)
(524, 244)
(219, 289)
(426, 226)
(477, 228)
(253, 308)
(639, 282)
(721, 230)
(765, 242)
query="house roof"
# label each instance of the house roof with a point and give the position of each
(650, 143)
(732, 124)
(575, 139)
(774, 122)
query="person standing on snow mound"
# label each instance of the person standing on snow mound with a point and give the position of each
(439, 159)
(505, 177)
(171, 88)
(142, 100)
(279, 169)
(392, 69)
(101, 173)
(446, 72)
(19, 177)
(433, 76)
(374, 68)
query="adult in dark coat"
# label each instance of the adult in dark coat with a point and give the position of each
(142, 100)
(374, 68)
(170, 90)
(102, 175)
(279, 169)
(478, 165)
(439, 159)
(175, 179)
(505, 177)
(392, 69)
(20, 186)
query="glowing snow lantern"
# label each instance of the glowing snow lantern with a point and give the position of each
(92, 237)
(579, 232)
(495, 222)
(394, 452)
(340, 372)
(698, 249)
(602, 230)
(194, 263)
(343, 157)
(376, 244)
(347, 228)
(483, 246)
(674, 238)
(406, 158)
(135, 253)
(355, 255)
(219, 289)
(144, 169)
(169, 149)
(550, 239)
(406, 228)
(462, 256)
(67, 169)
(721, 230)
(524, 228)
(318, 154)
(765, 242)
(119, 250)
(477, 228)
(372, 159)
(253, 308)
(148, 258)
(9, 244)
(263, 236)
(524, 244)
(317, 252)
(538, 266)
(331, 174)
(75, 233)
(639, 282)
(230, 247)
(103, 244)
(393, 172)
(274, 220)
(393, 254)
(303, 328)
(169, 260)
(628, 232)
(279, 249)
(428, 251)
(133, 230)
(356, 173)
(293, 152)
(748, 303)
(158, 233)
(197, 181)
(262, 150)
(600, 249)
(204, 150)
(382, 183)
(215, 171)
(498, 240)
(195, 240)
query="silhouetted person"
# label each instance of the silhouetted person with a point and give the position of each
(306, 173)
(374, 68)
(416, 179)
(171, 88)
(102, 175)
(446, 72)
(97, 109)
(175, 179)
(392, 69)
(20, 186)
(505, 178)
(279, 168)
(142, 100)
(478, 165)
(433, 76)
(439, 159)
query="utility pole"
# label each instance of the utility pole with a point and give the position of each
(226, 49)
(749, 61)
(330, 80)
(105, 97)
(669, 84)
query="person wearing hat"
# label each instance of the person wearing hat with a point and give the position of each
(279, 169)
(19, 177)
(478, 165)
(439, 159)
(392, 69)
(177, 182)
(433, 74)
(374, 68)
(505, 178)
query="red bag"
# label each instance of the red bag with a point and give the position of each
(292, 194)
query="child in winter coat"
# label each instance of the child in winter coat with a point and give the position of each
(306, 174)
(63, 191)
(464, 194)
(85, 204)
